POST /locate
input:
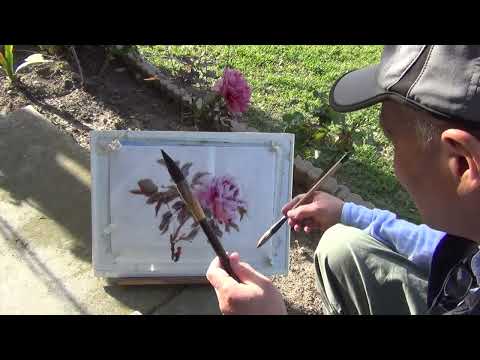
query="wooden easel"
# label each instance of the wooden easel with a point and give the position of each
(173, 280)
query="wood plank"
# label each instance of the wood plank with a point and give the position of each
(170, 280)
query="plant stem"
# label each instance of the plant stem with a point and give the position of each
(174, 238)
(77, 61)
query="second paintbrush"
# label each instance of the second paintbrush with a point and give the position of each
(275, 227)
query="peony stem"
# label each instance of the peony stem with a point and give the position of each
(174, 238)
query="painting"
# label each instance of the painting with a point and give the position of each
(141, 226)
(219, 197)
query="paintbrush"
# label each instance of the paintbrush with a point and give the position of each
(275, 227)
(197, 212)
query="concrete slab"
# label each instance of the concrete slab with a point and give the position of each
(193, 300)
(45, 231)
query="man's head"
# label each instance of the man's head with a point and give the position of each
(438, 163)
(431, 113)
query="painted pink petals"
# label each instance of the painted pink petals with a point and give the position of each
(221, 196)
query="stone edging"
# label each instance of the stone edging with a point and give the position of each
(305, 172)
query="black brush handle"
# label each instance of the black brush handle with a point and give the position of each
(271, 231)
(278, 224)
(218, 248)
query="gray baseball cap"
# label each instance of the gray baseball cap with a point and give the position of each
(441, 79)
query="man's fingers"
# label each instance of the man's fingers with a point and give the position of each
(305, 223)
(303, 212)
(291, 203)
(218, 277)
(234, 257)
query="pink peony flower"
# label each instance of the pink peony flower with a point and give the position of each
(220, 195)
(235, 90)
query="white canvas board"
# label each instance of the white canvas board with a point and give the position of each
(136, 231)
(127, 240)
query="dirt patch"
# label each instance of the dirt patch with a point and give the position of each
(112, 97)
(299, 286)
(115, 98)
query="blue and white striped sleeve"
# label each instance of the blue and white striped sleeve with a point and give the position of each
(415, 242)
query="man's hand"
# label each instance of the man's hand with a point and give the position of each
(256, 295)
(320, 212)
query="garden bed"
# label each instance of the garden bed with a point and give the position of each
(114, 99)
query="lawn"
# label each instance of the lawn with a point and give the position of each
(285, 79)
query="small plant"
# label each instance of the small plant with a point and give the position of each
(322, 126)
(7, 63)
(231, 95)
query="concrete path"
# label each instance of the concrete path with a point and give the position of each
(45, 232)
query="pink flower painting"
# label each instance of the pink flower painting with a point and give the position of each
(235, 90)
(219, 197)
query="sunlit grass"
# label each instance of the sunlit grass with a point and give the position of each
(283, 80)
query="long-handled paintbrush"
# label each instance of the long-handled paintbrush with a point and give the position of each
(197, 212)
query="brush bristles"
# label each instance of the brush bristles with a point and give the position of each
(264, 238)
(172, 168)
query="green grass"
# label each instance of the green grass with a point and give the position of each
(283, 80)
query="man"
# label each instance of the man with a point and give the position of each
(368, 261)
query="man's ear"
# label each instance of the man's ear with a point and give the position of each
(463, 153)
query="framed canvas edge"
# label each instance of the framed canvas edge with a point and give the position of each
(99, 155)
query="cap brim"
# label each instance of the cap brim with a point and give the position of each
(359, 89)
(356, 90)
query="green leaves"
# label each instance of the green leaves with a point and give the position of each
(295, 123)
(319, 127)
(6, 61)
(3, 63)
(308, 133)
(319, 135)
